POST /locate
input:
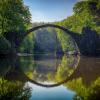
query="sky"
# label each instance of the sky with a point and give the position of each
(50, 10)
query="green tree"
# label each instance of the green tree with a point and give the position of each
(27, 45)
(86, 13)
(14, 16)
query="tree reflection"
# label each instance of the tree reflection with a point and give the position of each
(66, 68)
(11, 89)
(49, 69)
(85, 93)
(86, 80)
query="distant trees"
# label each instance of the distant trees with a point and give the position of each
(48, 40)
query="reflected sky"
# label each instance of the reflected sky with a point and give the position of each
(56, 93)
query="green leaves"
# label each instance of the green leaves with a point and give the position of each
(80, 6)
(14, 16)
(27, 45)
(86, 13)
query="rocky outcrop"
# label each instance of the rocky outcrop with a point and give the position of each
(89, 43)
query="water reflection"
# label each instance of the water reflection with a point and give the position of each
(86, 80)
(11, 89)
(48, 70)
(55, 93)
(20, 77)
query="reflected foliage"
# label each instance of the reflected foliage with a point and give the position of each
(66, 68)
(83, 79)
(83, 92)
(49, 70)
(12, 89)
(86, 79)
(16, 90)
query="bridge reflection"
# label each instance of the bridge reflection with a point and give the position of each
(87, 68)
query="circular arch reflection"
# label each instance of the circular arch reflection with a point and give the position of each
(63, 72)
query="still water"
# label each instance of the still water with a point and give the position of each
(50, 77)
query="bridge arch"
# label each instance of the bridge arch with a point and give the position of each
(70, 33)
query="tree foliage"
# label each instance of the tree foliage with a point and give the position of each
(14, 16)
(27, 45)
(86, 13)
(13, 90)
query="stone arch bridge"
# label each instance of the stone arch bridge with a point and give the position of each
(85, 41)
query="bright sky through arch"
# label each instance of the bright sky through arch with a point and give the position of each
(50, 10)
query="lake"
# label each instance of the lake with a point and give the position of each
(50, 77)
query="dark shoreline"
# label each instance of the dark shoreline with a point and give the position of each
(15, 55)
